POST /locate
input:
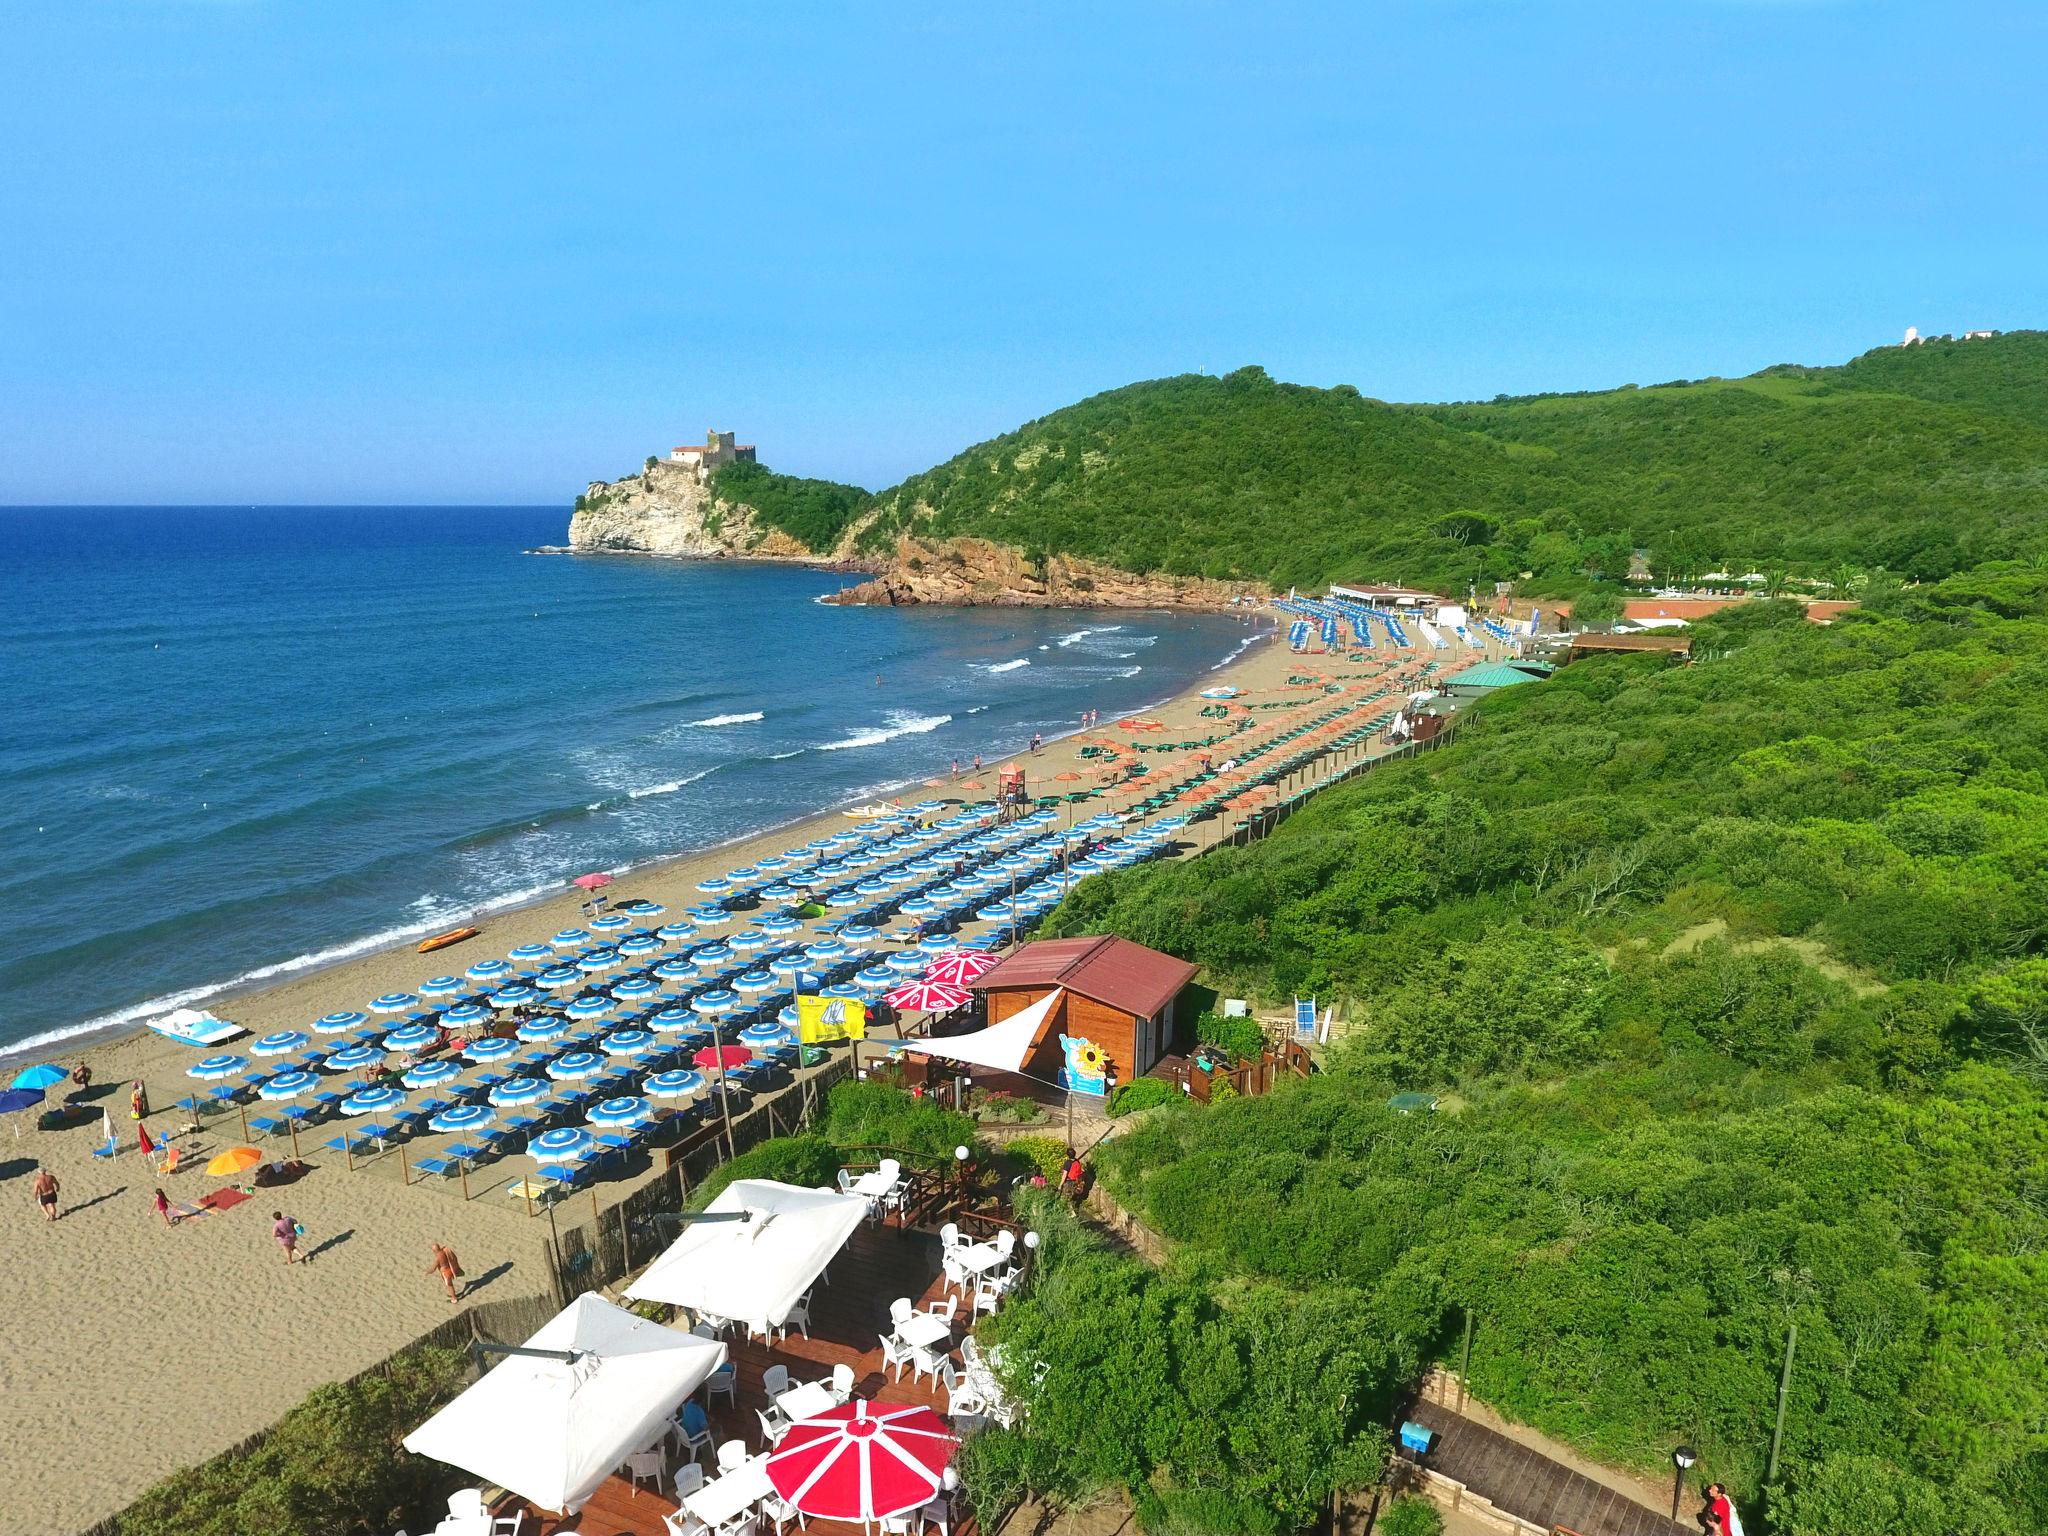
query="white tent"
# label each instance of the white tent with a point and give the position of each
(550, 1430)
(1001, 1046)
(756, 1269)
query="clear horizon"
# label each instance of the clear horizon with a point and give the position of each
(465, 257)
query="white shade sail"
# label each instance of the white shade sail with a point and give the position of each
(1001, 1046)
(756, 1269)
(551, 1431)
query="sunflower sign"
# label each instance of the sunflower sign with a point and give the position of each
(819, 1019)
(1086, 1069)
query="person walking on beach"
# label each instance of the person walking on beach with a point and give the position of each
(163, 1208)
(45, 1189)
(138, 1102)
(977, 762)
(286, 1231)
(956, 767)
(1037, 741)
(448, 1267)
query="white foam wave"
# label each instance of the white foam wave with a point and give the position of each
(898, 724)
(671, 787)
(1242, 646)
(1009, 666)
(776, 757)
(729, 719)
(1066, 640)
(1128, 671)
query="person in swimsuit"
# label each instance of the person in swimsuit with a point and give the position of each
(286, 1231)
(46, 1192)
(163, 1209)
(447, 1266)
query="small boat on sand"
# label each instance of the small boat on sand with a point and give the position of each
(443, 940)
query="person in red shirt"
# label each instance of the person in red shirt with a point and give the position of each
(1721, 1517)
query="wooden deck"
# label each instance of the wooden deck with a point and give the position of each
(1523, 1481)
(849, 1314)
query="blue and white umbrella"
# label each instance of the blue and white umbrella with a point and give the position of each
(676, 968)
(872, 888)
(780, 925)
(781, 891)
(598, 960)
(871, 988)
(570, 938)
(842, 838)
(846, 898)
(443, 986)
(639, 944)
(715, 886)
(515, 1091)
(289, 1085)
(464, 1014)
(411, 1038)
(709, 916)
(488, 1050)
(918, 906)
(675, 933)
(541, 1030)
(463, 1118)
(431, 1074)
(674, 1085)
(531, 954)
(773, 863)
(591, 1006)
(354, 1058)
(563, 1144)
(819, 843)
(717, 1000)
(633, 988)
(753, 982)
(674, 1019)
(611, 922)
(283, 1043)
(210, 1069)
(880, 974)
(907, 962)
(643, 911)
(936, 944)
(847, 989)
(788, 966)
(827, 950)
(518, 995)
(340, 1023)
(575, 1065)
(765, 1034)
(743, 874)
(372, 1101)
(712, 954)
(555, 977)
(789, 1017)
(393, 1002)
(750, 940)
(625, 1111)
(628, 1042)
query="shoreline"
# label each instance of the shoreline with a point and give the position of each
(108, 1032)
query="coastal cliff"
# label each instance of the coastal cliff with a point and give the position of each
(675, 510)
(967, 572)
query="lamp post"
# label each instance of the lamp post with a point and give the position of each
(1682, 1458)
(960, 1178)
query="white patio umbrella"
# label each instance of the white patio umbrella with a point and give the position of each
(757, 1268)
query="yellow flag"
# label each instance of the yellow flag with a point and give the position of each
(819, 1019)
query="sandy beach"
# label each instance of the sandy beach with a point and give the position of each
(128, 1350)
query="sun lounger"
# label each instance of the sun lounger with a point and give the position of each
(267, 1125)
(108, 1147)
(443, 1166)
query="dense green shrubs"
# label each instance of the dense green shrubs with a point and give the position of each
(1409, 1515)
(1241, 1037)
(1145, 1093)
(1044, 1155)
(813, 512)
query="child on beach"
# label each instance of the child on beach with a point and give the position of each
(163, 1209)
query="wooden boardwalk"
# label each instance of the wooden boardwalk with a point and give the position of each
(1522, 1481)
(848, 1317)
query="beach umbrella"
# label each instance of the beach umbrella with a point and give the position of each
(748, 940)
(598, 960)
(927, 997)
(712, 954)
(846, 898)
(717, 1000)
(788, 966)
(15, 1100)
(957, 967)
(639, 944)
(907, 962)
(790, 1017)
(556, 977)
(443, 986)
(716, 885)
(48, 1074)
(633, 988)
(676, 968)
(718, 1058)
(570, 938)
(644, 911)
(431, 1074)
(675, 933)
(214, 1068)
(518, 995)
(862, 1461)
(878, 975)
(590, 1006)
(918, 906)
(541, 1030)
(743, 874)
(352, 1058)
(934, 944)
(677, 1018)
(710, 916)
(611, 922)
(288, 1085)
(575, 1065)
(827, 950)
(372, 1101)
(781, 891)
(531, 954)
(462, 1118)
(628, 1042)
(595, 881)
(674, 1085)
(234, 1160)
(393, 1002)
(515, 1091)
(489, 1049)
(871, 887)
(466, 1013)
(412, 1037)
(621, 1113)
(764, 1035)
(563, 1144)
(753, 982)
(340, 1023)
(820, 844)
(780, 925)
(771, 863)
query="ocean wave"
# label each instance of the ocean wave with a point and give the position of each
(776, 757)
(727, 720)
(1128, 671)
(672, 786)
(897, 724)
(1078, 635)
(1242, 646)
(1008, 666)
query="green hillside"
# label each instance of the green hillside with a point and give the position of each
(1924, 461)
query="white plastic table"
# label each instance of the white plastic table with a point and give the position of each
(980, 1258)
(924, 1329)
(733, 1494)
(874, 1185)
(805, 1401)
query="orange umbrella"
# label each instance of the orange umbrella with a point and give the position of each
(234, 1160)
(1068, 777)
(972, 784)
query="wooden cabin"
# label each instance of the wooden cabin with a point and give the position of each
(1118, 996)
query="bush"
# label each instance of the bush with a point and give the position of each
(1145, 1093)
(1006, 1108)
(876, 1115)
(804, 1160)
(1242, 1037)
(1043, 1154)
(1410, 1515)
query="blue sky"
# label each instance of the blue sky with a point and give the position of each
(486, 252)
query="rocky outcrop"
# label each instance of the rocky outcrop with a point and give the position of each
(670, 509)
(976, 573)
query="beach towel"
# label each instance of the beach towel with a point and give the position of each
(223, 1199)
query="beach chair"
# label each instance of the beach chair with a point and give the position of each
(267, 1125)
(441, 1166)
(108, 1147)
(351, 1141)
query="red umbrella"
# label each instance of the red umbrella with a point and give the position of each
(957, 967)
(862, 1461)
(719, 1057)
(927, 997)
(592, 882)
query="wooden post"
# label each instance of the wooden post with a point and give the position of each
(1784, 1389)
(404, 1169)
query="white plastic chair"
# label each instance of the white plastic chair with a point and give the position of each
(949, 1236)
(845, 1181)
(1006, 1242)
(688, 1479)
(962, 1401)
(926, 1362)
(842, 1382)
(645, 1466)
(781, 1513)
(895, 1355)
(775, 1380)
(799, 1318)
(683, 1523)
(901, 1311)
(725, 1379)
(987, 1296)
(773, 1425)
(970, 1352)
(944, 1308)
(732, 1456)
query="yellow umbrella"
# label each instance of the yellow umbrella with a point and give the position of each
(234, 1160)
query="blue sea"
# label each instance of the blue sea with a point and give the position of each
(246, 741)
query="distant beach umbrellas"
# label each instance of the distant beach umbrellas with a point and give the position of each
(443, 986)
(488, 1050)
(283, 1043)
(752, 982)
(530, 954)
(411, 1037)
(590, 1007)
(748, 940)
(211, 1069)
(634, 988)
(462, 1118)
(716, 885)
(541, 1030)
(372, 1101)
(597, 960)
(907, 962)
(515, 1091)
(935, 944)
(772, 864)
(717, 1000)
(639, 944)
(879, 973)
(563, 1144)
(431, 1074)
(674, 1085)
(764, 1035)
(289, 1085)
(464, 1014)
(674, 1019)
(789, 967)
(628, 1042)
(556, 977)
(518, 995)
(643, 911)
(393, 1002)
(570, 938)
(353, 1058)
(676, 968)
(781, 891)
(709, 916)
(846, 898)
(779, 925)
(611, 922)
(675, 933)
(622, 1113)
(340, 1023)
(918, 906)
(743, 874)
(575, 1066)
(826, 949)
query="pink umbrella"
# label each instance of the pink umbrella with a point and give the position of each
(592, 882)
(957, 967)
(927, 997)
(719, 1057)
(862, 1461)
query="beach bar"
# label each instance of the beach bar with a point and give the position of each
(1113, 1016)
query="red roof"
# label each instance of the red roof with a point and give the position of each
(1110, 970)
